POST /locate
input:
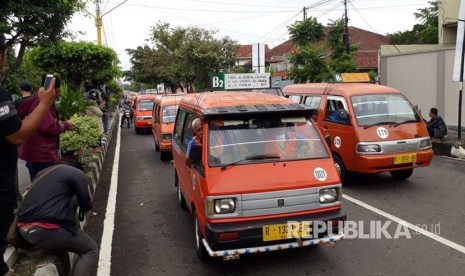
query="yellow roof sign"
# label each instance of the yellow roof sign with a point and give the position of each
(352, 77)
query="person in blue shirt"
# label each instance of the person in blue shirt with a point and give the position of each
(334, 117)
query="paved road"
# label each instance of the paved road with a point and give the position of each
(153, 236)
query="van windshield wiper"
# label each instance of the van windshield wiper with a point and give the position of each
(406, 122)
(251, 157)
(380, 123)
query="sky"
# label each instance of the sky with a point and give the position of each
(247, 21)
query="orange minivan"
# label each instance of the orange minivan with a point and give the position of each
(373, 128)
(259, 179)
(143, 105)
(163, 116)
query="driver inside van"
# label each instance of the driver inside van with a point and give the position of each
(197, 126)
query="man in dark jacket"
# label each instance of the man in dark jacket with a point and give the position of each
(13, 132)
(436, 126)
(47, 217)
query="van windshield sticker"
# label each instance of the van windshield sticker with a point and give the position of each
(320, 174)
(382, 132)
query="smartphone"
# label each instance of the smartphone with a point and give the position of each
(48, 81)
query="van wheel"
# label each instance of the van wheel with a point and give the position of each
(402, 175)
(164, 156)
(181, 200)
(341, 169)
(137, 130)
(157, 148)
(201, 251)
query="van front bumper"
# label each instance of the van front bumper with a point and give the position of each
(377, 163)
(250, 237)
(165, 146)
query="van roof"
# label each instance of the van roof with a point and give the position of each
(342, 89)
(146, 97)
(210, 103)
(170, 99)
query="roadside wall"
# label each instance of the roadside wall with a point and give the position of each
(426, 79)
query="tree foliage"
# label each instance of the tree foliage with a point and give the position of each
(319, 56)
(34, 22)
(77, 62)
(181, 57)
(426, 32)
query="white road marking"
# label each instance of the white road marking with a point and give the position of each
(435, 237)
(104, 262)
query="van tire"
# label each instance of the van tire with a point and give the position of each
(200, 248)
(164, 156)
(341, 169)
(157, 148)
(402, 175)
(137, 130)
(181, 200)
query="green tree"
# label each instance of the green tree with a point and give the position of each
(34, 22)
(77, 62)
(307, 31)
(426, 32)
(181, 57)
(318, 56)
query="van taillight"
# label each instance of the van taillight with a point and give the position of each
(229, 236)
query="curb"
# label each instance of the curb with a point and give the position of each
(51, 264)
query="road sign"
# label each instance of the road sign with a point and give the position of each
(240, 81)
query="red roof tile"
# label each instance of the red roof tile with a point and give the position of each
(367, 56)
(245, 51)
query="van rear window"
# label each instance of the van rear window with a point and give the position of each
(263, 139)
(145, 105)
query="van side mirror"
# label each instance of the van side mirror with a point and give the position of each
(195, 153)
(328, 140)
(343, 114)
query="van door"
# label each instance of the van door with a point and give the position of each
(340, 130)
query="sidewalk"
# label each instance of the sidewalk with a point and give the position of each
(450, 146)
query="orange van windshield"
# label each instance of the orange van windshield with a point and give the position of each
(263, 139)
(393, 109)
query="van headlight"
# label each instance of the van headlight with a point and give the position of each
(425, 144)
(368, 148)
(224, 205)
(329, 195)
(140, 118)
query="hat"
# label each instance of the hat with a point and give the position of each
(25, 86)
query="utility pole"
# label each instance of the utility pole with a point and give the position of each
(305, 13)
(459, 127)
(345, 36)
(98, 22)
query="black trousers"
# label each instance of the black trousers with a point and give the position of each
(7, 206)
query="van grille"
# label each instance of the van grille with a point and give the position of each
(270, 203)
(403, 146)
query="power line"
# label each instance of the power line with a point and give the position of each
(279, 26)
(361, 17)
(240, 4)
(202, 10)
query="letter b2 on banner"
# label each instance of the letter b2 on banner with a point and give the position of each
(217, 81)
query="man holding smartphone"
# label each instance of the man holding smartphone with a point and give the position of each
(13, 132)
(42, 149)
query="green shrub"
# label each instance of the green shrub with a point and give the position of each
(71, 102)
(84, 135)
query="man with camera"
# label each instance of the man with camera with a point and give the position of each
(13, 132)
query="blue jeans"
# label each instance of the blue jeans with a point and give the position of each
(105, 122)
(61, 239)
(7, 205)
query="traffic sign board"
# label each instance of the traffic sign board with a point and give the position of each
(240, 81)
